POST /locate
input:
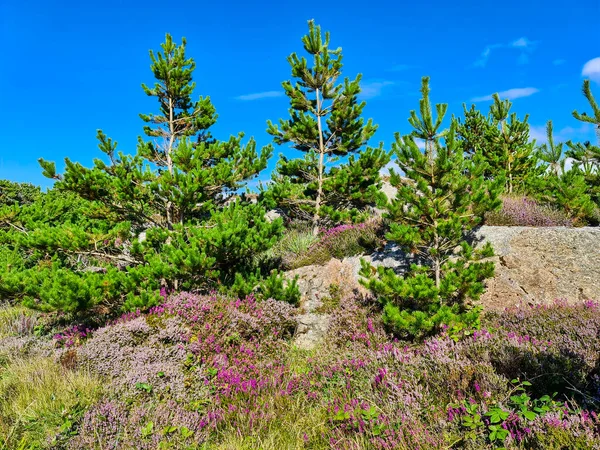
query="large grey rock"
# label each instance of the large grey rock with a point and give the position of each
(540, 265)
(533, 265)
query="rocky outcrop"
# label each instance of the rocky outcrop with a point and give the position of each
(540, 265)
(533, 265)
(314, 282)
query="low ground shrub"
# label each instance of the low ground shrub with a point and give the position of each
(341, 242)
(295, 241)
(525, 212)
(212, 372)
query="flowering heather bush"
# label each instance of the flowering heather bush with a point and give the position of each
(220, 373)
(342, 241)
(111, 425)
(133, 354)
(72, 336)
(557, 344)
(525, 212)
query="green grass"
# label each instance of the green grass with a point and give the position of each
(39, 398)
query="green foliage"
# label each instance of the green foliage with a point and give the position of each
(488, 420)
(295, 242)
(551, 153)
(501, 140)
(161, 218)
(275, 286)
(17, 193)
(440, 199)
(586, 156)
(325, 123)
(568, 190)
(341, 242)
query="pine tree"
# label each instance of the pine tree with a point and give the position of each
(440, 199)
(166, 219)
(502, 140)
(551, 153)
(586, 155)
(515, 153)
(559, 187)
(17, 193)
(325, 123)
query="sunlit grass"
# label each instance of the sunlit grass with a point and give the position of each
(37, 398)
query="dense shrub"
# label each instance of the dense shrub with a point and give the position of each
(295, 242)
(557, 345)
(525, 212)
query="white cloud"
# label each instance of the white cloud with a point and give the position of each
(538, 132)
(522, 44)
(591, 69)
(420, 143)
(385, 170)
(482, 61)
(260, 95)
(558, 62)
(580, 133)
(372, 89)
(510, 94)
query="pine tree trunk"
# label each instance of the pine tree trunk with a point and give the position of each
(436, 261)
(318, 200)
(170, 219)
(510, 178)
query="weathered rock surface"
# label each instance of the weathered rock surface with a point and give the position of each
(540, 265)
(314, 282)
(533, 265)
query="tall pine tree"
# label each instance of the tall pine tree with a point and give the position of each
(325, 123)
(441, 197)
(586, 155)
(166, 217)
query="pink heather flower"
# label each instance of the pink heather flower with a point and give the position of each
(370, 326)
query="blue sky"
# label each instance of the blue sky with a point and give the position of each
(69, 68)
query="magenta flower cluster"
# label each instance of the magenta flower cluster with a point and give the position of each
(72, 336)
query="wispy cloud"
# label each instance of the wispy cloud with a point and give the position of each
(372, 89)
(485, 55)
(591, 69)
(580, 133)
(559, 62)
(259, 95)
(523, 45)
(510, 94)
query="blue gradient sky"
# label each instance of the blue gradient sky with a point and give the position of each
(69, 68)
